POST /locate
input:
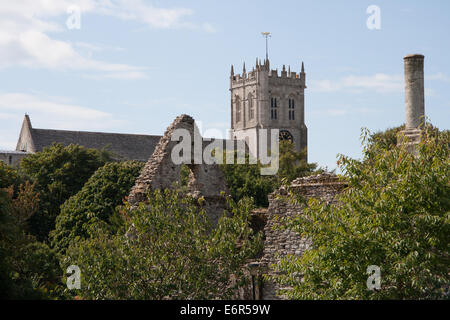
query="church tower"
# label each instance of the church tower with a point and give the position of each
(263, 99)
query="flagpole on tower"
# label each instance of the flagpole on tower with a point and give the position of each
(266, 35)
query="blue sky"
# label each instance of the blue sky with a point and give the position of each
(133, 66)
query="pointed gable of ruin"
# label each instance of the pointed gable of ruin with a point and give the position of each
(160, 172)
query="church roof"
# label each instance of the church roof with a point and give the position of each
(125, 146)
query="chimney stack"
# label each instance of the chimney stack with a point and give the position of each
(414, 91)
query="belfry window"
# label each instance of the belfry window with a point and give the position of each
(238, 109)
(291, 109)
(273, 108)
(251, 111)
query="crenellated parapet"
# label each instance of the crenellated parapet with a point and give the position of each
(263, 70)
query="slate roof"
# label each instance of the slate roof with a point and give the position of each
(126, 146)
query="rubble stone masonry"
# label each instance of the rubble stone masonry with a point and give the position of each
(278, 243)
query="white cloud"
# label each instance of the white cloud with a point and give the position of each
(129, 75)
(324, 85)
(379, 82)
(96, 47)
(438, 76)
(147, 14)
(161, 18)
(26, 27)
(208, 27)
(54, 112)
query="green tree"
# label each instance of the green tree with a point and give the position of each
(171, 252)
(6, 285)
(293, 163)
(96, 201)
(386, 139)
(28, 268)
(245, 180)
(8, 176)
(395, 214)
(58, 172)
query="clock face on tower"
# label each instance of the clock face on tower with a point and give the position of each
(286, 135)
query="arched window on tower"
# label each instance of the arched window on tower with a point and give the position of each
(291, 109)
(238, 109)
(251, 111)
(273, 108)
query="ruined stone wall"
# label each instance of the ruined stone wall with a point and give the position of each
(279, 243)
(160, 172)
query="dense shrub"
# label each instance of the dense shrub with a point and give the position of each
(96, 201)
(395, 215)
(58, 173)
(171, 252)
(28, 268)
(245, 180)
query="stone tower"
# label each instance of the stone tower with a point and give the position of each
(264, 99)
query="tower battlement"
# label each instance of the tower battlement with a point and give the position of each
(263, 69)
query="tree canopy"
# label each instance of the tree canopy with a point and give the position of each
(28, 268)
(96, 201)
(58, 172)
(169, 252)
(395, 214)
(245, 180)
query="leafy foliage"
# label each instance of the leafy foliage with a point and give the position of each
(292, 163)
(6, 285)
(25, 204)
(385, 140)
(28, 268)
(8, 175)
(395, 214)
(245, 180)
(389, 139)
(171, 252)
(95, 202)
(58, 173)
